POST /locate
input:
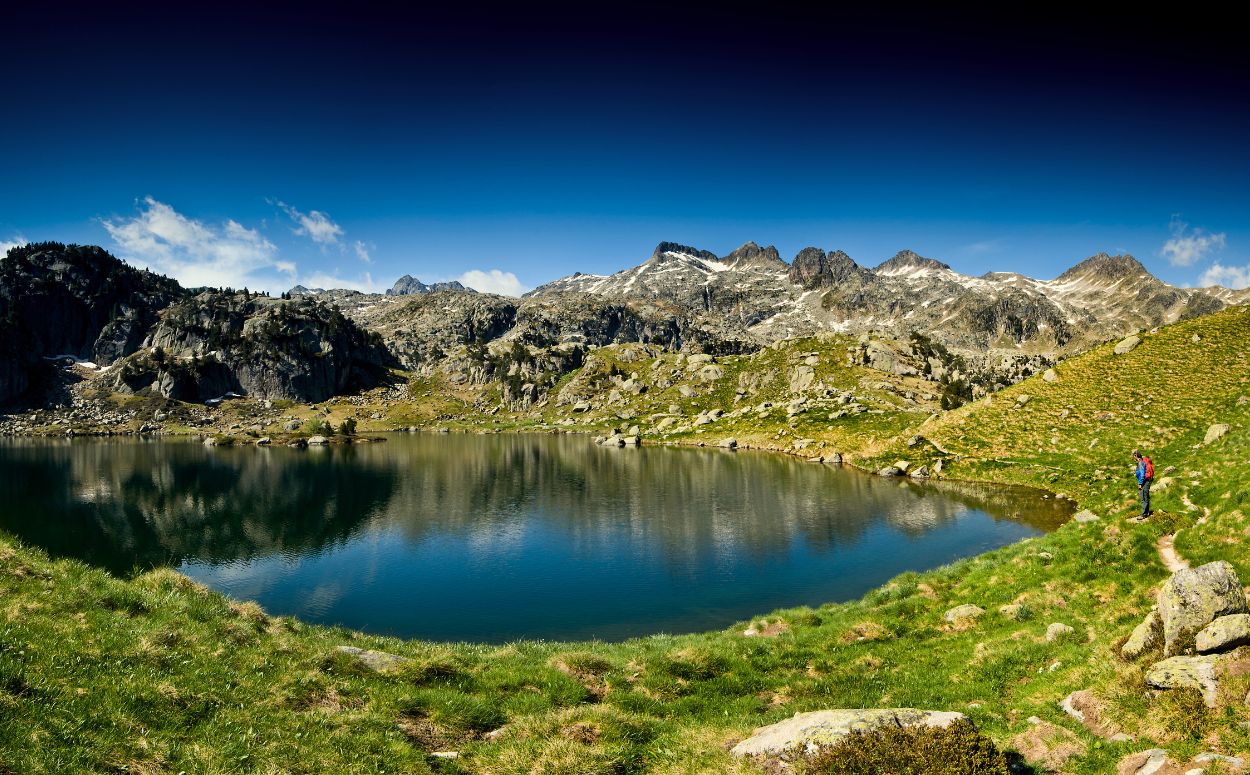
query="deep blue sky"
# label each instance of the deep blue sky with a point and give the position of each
(545, 141)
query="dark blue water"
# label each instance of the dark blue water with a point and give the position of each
(500, 537)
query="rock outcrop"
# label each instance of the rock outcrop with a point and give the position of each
(819, 728)
(72, 300)
(1193, 598)
(219, 343)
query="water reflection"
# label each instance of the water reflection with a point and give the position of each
(502, 536)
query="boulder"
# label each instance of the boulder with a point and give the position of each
(1085, 516)
(889, 471)
(965, 611)
(1023, 399)
(902, 465)
(1193, 598)
(1058, 630)
(1224, 634)
(377, 661)
(832, 457)
(1216, 432)
(1011, 611)
(1148, 762)
(263, 440)
(801, 378)
(1127, 344)
(729, 444)
(318, 440)
(1050, 376)
(1186, 673)
(1145, 637)
(826, 727)
(920, 473)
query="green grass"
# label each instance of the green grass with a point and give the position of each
(156, 674)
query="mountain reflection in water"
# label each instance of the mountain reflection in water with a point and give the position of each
(504, 536)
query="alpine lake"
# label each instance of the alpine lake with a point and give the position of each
(494, 538)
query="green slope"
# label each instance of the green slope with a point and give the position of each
(156, 674)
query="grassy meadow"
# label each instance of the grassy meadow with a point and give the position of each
(155, 674)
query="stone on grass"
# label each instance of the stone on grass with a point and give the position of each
(1145, 637)
(1146, 762)
(1216, 432)
(1186, 673)
(965, 611)
(1224, 634)
(1193, 598)
(377, 661)
(1234, 762)
(1050, 376)
(826, 727)
(1085, 516)
(1011, 610)
(1058, 630)
(1127, 344)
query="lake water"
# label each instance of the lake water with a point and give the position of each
(500, 537)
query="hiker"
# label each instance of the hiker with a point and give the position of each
(1145, 476)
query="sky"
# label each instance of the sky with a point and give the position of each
(346, 145)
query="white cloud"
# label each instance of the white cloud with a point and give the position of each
(313, 224)
(6, 245)
(197, 254)
(493, 281)
(1187, 247)
(330, 281)
(1235, 277)
(362, 251)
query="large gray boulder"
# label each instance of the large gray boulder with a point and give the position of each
(1127, 344)
(1193, 598)
(1146, 636)
(1187, 673)
(826, 727)
(1216, 432)
(1223, 634)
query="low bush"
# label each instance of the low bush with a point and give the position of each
(959, 749)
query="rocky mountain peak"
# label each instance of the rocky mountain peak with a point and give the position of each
(813, 268)
(1103, 266)
(906, 261)
(754, 255)
(674, 247)
(409, 285)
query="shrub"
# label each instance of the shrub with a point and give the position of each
(317, 427)
(348, 428)
(956, 750)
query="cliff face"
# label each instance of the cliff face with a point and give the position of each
(72, 300)
(218, 343)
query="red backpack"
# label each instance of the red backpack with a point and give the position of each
(1150, 467)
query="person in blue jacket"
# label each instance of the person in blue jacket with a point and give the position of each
(1145, 476)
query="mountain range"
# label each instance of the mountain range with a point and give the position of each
(77, 301)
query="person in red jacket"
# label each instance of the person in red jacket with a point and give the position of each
(1145, 477)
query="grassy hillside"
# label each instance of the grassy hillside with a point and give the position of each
(156, 674)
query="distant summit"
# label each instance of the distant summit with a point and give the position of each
(1102, 266)
(907, 261)
(673, 247)
(409, 286)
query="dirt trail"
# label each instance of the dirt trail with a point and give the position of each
(1167, 553)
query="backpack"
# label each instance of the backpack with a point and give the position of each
(1150, 467)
